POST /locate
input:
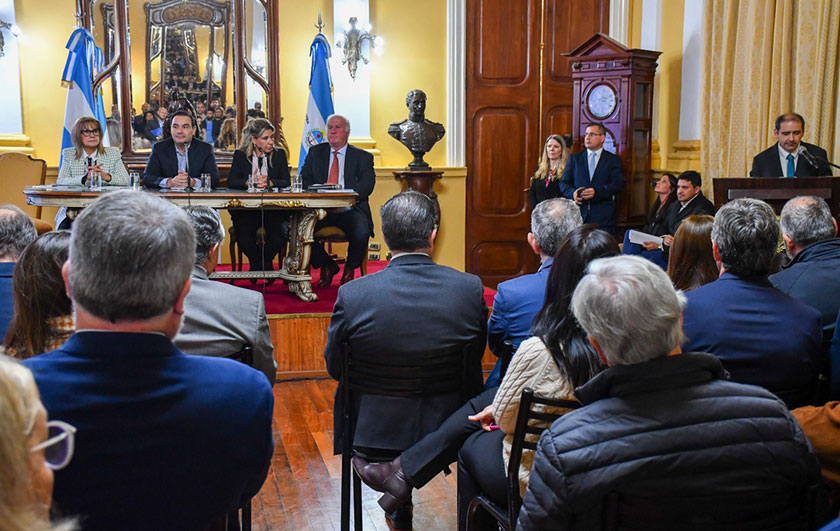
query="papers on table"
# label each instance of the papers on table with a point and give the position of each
(640, 237)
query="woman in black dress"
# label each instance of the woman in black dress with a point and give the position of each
(265, 163)
(545, 184)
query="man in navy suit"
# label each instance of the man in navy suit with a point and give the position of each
(762, 336)
(592, 178)
(790, 157)
(519, 299)
(16, 232)
(337, 162)
(165, 440)
(178, 162)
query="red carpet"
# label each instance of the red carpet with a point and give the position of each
(279, 300)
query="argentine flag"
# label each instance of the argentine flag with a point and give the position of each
(320, 104)
(83, 62)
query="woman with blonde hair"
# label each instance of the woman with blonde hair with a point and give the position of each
(692, 262)
(30, 449)
(88, 155)
(545, 184)
(227, 135)
(264, 163)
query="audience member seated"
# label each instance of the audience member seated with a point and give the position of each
(256, 112)
(154, 124)
(822, 427)
(337, 162)
(139, 123)
(692, 262)
(88, 155)
(220, 319)
(790, 157)
(179, 161)
(214, 124)
(657, 221)
(170, 441)
(43, 313)
(662, 424)
(762, 336)
(810, 235)
(263, 161)
(412, 313)
(690, 201)
(207, 126)
(30, 449)
(553, 362)
(518, 300)
(226, 140)
(16, 232)
(545, 183)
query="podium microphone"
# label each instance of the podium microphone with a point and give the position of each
(808, 156)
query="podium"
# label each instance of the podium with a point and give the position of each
(776, 191)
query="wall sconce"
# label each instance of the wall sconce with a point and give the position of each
(13, 28)
(352, 45)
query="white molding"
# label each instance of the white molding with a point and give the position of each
(620, 20)
(11, 119)
(455, 82)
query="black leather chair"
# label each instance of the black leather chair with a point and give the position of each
(528, 422)
(364, 378)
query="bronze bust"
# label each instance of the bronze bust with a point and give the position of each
(416, 133)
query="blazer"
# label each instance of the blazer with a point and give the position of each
(163, 162)
(607, 182)
(358, 173)
(762, 336)
(220, 319)
(811, 277)
(411, 312)
(164, 441)
(74, 171)
(676, 214)
(7, 299)
(240, 170)
(767, 163)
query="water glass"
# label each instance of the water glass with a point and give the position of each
(206, 183)
(134, 180)
(252, 184)
(297, 184)
(95, 181)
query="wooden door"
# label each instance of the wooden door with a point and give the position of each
(509, 111)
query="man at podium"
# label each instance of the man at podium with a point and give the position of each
(790, 157)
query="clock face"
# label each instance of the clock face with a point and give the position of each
(601, 101)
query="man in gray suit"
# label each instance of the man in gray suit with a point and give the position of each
(412, 313)
(220, 319)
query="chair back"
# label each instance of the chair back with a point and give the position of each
(17, 171)
(505, 353)
(246, 356)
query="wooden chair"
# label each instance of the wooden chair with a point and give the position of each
(331, 235)
(525, 425)
(505, 353)
(360, 377)
(17, 171)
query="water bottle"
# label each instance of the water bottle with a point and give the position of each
(206, 183)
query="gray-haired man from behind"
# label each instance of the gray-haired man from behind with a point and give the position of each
(220, 319)
(16, 232)
(663, 427)
(166, 440)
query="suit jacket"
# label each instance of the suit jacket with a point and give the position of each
(358, 173)
(163, 162)
(762, 336)
(811, 277)
(767, 163)
(607, 182)
(220, 319)
(698, 205)
(164, 441)
(411, 312)
(240, 170)
(7, 300)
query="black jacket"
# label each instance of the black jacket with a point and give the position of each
(240, 170)
(768, 164)
(672, 427)
(698, 205)
(657, 222)
(812, 278)
(163, 162)
(539, 192)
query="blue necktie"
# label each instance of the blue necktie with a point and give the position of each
(592, 164)
(791, 168)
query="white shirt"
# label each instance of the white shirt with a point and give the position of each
(783, 159)
(683, 205)
(597, 153)
(342, 152)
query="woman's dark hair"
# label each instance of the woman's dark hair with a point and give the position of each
(39, 293)
(554, 323)
(691, 263)
(655, 209)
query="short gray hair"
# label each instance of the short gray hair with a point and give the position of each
(408, 220)
(807, 219)
(629, 306)
(747, 235)
(130, 255)
(208, 230)
(16, 231)
(552, 220)
(346, 121)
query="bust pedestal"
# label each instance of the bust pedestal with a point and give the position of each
(423, 182)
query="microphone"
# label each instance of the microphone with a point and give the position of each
(809, 157)
(187, 165)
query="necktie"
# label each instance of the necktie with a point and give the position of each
(791, 168)
(333, 178)
(592, 164)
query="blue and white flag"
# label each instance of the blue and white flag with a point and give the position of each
(320, 104)
(83, 62)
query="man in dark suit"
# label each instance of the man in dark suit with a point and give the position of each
(166, 440)
(690, 201)
(592, 178)
(762, 336)
(411, 313)
(178, 162)
(337, 162)
(16, 232)
(790, 157)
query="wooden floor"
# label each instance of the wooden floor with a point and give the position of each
(303, 488)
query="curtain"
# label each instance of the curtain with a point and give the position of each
(763, 58)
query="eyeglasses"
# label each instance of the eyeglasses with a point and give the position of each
(89, 131)
(58, 448)
(593, 134)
